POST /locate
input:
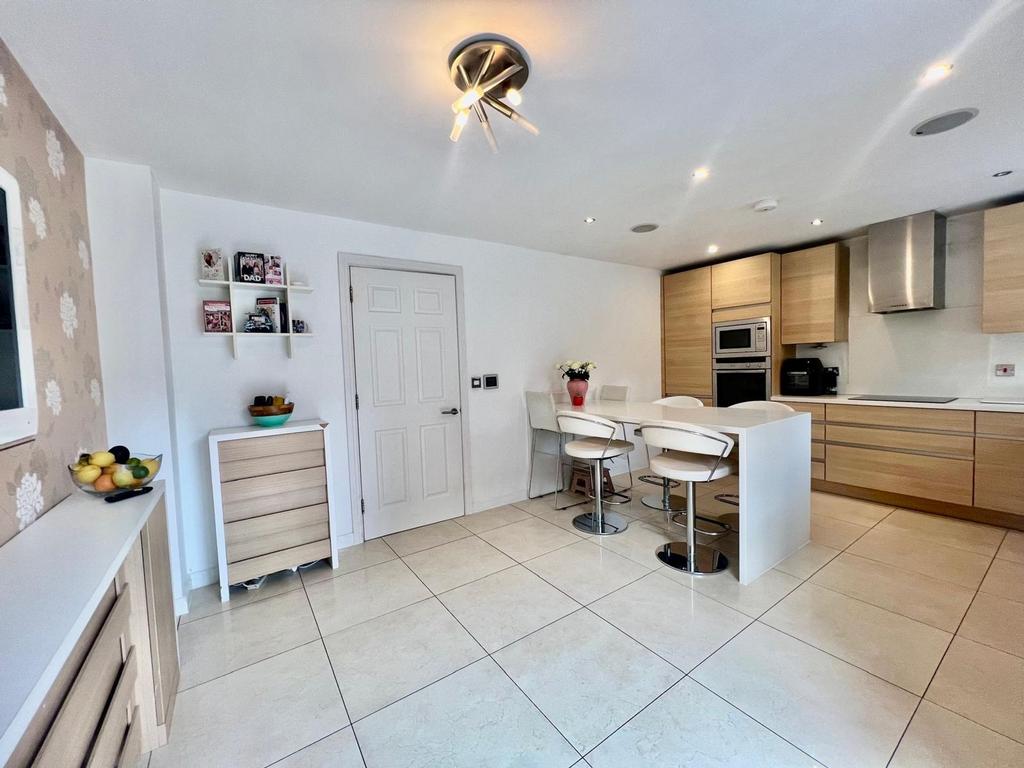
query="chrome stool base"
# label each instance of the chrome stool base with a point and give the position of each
(655, 480)
(728, 498)
(724, 528)
(657, 501)
(706, 560)
(611, 523)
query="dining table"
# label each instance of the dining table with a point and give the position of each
(774, 472)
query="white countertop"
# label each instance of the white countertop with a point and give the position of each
(734, 421)
(53, 575)
(960, 404)
(255, 430)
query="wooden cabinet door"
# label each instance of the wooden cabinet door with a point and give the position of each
(1002, 301)
(742, 281)
(998, 479)
(815, 295)
(163, 624)
(686, 332)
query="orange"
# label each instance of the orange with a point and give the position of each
(104, 483)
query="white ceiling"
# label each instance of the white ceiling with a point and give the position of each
(343, 108)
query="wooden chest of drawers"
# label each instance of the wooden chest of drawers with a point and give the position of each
(271, 491)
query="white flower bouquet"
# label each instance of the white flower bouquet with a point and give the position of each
(576, 370)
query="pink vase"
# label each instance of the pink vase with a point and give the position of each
(577, 389)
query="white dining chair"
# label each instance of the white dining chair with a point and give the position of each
(767, 406)
(540, 409)
(690, 454)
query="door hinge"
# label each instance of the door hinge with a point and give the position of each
(351, 295)
(362, 506)
(357, 401)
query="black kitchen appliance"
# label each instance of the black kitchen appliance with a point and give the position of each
(807, 376)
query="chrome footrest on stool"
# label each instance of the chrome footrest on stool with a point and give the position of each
(611, 522)
(706, 560)
(655, 480)
(728, 498)
(723, 528)
(657, 501)
(608, 497)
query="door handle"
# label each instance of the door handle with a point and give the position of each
(451, 412)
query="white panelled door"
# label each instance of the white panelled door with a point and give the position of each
(405, 329)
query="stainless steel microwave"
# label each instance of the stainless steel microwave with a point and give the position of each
(743, 338)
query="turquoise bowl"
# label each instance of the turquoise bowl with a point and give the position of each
(272, 421)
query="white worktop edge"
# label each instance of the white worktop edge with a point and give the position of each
(25, 560)
(255, 430)
(960, 404)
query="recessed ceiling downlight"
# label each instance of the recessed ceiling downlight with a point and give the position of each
(641, 228)
(589, 220)
(944, 122)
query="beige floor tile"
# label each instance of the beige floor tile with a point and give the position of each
(382, 660)
(690, 727)
(585, 571)
(563, 518)
(997, 622)
(1013, 547)
(362, 595)
(205, 601)
(982, 684)
(638, 543)
(505, 606)
(586, 676)
(808, 559)
(908, 550)
(903, 651)
(961, 534)
(1005, 579)
(493, 518)
(856, 511)
(418, 539)
(227, 641)
(457, 563)
(255, 715)
(474, 718)
(682, 626)
(339, 750)
(938, 738)
(841, 715)
(835, 533)
(753, 599)
(528, 538)
(354, 558)
(914, 595)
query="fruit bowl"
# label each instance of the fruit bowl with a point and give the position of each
(271, 415)
(88, 477)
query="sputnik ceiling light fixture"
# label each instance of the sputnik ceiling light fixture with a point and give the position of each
(487, 71)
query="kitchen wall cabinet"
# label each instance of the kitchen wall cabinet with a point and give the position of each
(686, 333)
(1002, 298)
(815, 295)
(742, 281)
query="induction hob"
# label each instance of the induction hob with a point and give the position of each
(904, 399)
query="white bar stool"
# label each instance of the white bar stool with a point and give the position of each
(666, 501)
(595, 445)
(618, 393)
(693, 455)
(768, 406)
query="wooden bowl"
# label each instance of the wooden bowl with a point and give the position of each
(271, 415)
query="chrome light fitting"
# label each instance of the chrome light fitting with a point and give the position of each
(489, 73)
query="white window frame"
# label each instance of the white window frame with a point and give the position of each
(19, 424)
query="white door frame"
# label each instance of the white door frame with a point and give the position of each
(348, 357)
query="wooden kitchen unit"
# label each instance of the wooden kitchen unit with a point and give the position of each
(815, 295)
(1002, 299)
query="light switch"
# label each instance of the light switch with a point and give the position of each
(475, 383)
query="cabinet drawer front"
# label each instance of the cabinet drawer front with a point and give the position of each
(274, 445)
(960, 446)
(817, 451)
(927, 477)
(272, 533)
(71, 735)
(132, 750)
(275, 502)
(112, 730)
(998, 478)
(1001, 424)
(270, 465)
(278, 561)
(817, 410)
(817, 470)
(817, 431)
(283, 482)
(902, 418)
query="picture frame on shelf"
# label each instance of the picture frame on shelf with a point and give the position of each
(258, 322)
(298, 326)
(250, 267)
(217, 316)
(273, 270)
(212, 265)
(271, 307)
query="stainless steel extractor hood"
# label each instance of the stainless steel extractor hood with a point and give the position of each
(907, 263)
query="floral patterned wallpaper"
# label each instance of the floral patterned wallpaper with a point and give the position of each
(51, 173)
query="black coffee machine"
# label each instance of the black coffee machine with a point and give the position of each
(807, 376)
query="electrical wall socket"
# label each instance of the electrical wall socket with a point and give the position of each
(1005, 369)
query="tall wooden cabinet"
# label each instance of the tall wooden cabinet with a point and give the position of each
(1002, 299)
(815, 295)
(686, 333)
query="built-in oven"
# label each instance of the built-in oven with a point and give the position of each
(739, 380)
(743, 338)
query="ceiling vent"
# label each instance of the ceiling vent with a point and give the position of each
(766, 204)
(944, 122)
(641, 228)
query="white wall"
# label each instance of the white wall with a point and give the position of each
(525, 310)
(934, 352)
(125, 232)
